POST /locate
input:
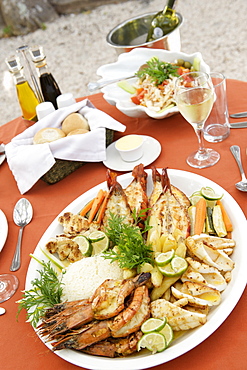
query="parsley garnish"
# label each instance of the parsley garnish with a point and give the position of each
(158, 70)
(130, 248)
(46, 292)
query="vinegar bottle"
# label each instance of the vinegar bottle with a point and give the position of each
(163, 22)
(26, 96)
(48, 84)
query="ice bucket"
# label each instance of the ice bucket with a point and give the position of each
(132, 34)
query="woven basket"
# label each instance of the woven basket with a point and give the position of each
(63, 168)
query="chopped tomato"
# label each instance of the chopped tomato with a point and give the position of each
(136, 99)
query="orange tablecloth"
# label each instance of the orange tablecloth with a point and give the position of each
(19, 345)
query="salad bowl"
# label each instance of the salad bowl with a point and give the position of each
(127, 65)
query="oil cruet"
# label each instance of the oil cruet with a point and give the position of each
(26, 96)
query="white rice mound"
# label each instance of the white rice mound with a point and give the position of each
(83, 277)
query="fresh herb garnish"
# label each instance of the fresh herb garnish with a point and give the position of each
(158, 70)
(46, 292)
(130, 248)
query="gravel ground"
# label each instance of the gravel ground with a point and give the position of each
(76, 46)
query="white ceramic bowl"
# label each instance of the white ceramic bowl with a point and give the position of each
(127, 65)
(130, 147)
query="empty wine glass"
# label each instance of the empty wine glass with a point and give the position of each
(8, 286)
(194, 94)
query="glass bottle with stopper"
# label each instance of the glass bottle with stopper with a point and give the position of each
(26, 96)
(48, 84)
(163, 22)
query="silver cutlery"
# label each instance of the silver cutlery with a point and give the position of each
(241, 185)
(239, 115)
(22, 215)
(238, 124)
(92, 86)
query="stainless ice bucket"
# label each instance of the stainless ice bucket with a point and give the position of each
(132, 34)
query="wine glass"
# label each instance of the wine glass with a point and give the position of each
(8, 286)
(194, 94)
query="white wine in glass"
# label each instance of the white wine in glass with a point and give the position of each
(194, 94)
(8, 286)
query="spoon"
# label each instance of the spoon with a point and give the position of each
(241, 185)
(23, 213)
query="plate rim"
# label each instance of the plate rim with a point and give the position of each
(134, 163)
(4, 231)
(191, 339)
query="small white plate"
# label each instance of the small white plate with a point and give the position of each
(151, 149)
(3, 229)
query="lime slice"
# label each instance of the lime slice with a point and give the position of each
(96, 236)
(154, 342)
(163, 258)
(168, 333)
(179, 264)
(176, 267)
(100, 246)
(195, 197)
(84, 245)
(152, 324)
(209, 193)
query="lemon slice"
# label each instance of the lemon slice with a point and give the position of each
(154, 342)
(176, 267)
(209, 193)
(163, 258)
(96, 236)
(84, 245)
(168, 333)
(153, 324)
(100, 246)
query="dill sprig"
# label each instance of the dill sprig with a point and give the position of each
(46, 292)
(130, 249)
(158, 71)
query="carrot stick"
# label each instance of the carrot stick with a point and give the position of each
(87, 208)
(102, 209)
(225, 216)
(96, 204)
(201, 207)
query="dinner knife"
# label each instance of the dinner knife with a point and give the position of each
(239, 115)
(238, 125)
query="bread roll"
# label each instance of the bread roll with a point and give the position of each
(73, 122)
(79, 131)
(47, 135)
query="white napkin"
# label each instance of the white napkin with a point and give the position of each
(29, 162)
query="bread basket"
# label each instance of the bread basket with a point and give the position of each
(63, 168)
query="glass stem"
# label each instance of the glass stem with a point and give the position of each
(199, 135)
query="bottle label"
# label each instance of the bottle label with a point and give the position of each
(158, 32)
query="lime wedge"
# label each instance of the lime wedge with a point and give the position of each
(176, 267)
(100, 246)
(96, 236)
(163, 258)
(209, 193)
(168, 333)
(84, 245)
(154, 342)
(126, 86)
(152, 324)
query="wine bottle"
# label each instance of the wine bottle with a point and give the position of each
(48, 84)
(163, 22)
(26, 96)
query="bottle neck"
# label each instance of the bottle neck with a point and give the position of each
(170, 5)
(41, 67)
(19, 77)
